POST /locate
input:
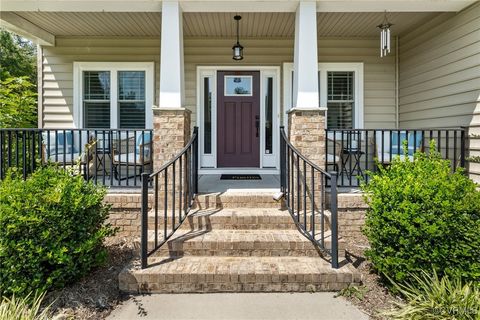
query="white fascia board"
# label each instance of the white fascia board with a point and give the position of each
(236, 5)
(393, 5)
(25, 28)
(82, 5)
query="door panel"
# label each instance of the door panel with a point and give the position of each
(238, 137)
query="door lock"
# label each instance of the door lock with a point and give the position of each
(257, 124)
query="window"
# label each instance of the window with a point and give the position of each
(207, 112)
(113, 95)
(340, 99)
(269, 115)
(96, 99)
(340, 92)
(131, 99)
(238, 85)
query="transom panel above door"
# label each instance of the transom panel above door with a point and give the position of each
(238, 119)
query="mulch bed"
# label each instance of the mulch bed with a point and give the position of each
(96, 295)
(374, 297)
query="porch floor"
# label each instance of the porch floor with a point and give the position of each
(210, 183)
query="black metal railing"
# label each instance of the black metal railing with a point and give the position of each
(175, 186)
(112, 157)
(303, 186)
(354, 152)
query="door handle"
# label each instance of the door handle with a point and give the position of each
(257, 124)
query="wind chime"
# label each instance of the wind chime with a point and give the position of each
(385, 36)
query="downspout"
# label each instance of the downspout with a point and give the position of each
(397, 116)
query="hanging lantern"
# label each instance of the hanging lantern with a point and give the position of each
(384, 36)
(237, 48)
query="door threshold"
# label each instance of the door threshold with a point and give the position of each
(238, 170)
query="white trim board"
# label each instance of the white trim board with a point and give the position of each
(236, 6)
(323, 68)
(113, 67)
(267, 161)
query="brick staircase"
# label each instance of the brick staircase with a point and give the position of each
(237, 243)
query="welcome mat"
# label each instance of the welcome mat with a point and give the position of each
(240, 177)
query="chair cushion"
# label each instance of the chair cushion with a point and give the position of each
(332, 158)
(130, 158)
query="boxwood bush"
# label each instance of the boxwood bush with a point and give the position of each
(52, 227)
(421, 216)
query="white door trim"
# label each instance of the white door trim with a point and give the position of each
(268, 162)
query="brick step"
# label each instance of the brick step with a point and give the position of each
(237, 200)
(243, 218)
(205, 242)
(236, 274)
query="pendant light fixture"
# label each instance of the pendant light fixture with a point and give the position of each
(384, 36)
(237, 48)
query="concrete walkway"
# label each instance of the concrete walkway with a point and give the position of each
(241, 306)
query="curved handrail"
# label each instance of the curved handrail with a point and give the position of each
(178, 190)
(181, 153)
(299, 154)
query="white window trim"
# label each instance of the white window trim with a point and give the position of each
(269, 163)
(113, 67)
(323, 68)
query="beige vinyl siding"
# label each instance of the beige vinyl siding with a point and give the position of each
(58, 69)
(440, 75)
(379, 74)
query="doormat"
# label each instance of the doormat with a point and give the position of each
(240, 177)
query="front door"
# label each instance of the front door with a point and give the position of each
(238, 119)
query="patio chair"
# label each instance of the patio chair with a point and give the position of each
(333, 159)
(59, 147)
(138, 154)
(392, 145)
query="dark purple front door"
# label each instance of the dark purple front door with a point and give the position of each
(238, 119)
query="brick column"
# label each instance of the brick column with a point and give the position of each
(306, 130)
(171, 132)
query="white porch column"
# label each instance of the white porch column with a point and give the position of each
(171, 59)
(305, 80)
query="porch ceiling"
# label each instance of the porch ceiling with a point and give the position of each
(196, 24)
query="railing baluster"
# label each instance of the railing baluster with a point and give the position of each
(454, 149)
(312, 200)
(165, 204)
(366, 155)
(334, 222)
(156, 208)
(298, 189)
(462, 147)
(173, 196)
(24, 154)
(305, 193)
(144, 226)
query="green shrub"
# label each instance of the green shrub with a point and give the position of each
(429, 297)
(421, 216)
(52, 227)
(27, 308)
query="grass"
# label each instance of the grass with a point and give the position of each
(429, 297)
(28, 308)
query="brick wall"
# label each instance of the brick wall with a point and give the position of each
(351, 214)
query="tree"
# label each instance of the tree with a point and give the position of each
(18, 103)
(18, 81)
(17, 57)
